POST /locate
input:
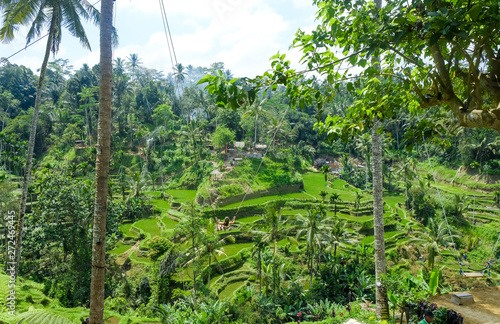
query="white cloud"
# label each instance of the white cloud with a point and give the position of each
(193, 8)
(243, 37)
(243, 34)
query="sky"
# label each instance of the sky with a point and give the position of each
(243, 34)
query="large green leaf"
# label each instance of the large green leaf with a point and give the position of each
(433, 282)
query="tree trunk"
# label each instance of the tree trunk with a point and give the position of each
(209, 268)
(255, 132)
(31, 145)
(366, 175)
(378, 210)
(259, 266)
(311, 271)
(407, 202)
(102, 167)
(378, 221)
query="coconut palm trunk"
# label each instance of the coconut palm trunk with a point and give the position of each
(31, 143)
(102, 167)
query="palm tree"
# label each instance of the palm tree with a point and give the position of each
(42, 14)
(121, 88)
(134, 63)
(138, 181)
(406, 171)
(194, 132)
(257, 249)
(339, 236)
(316, 228)
(256, 111)
(363, 145)
(211, 247)
(119, 67)
(334, 198)
(326, 170)
(278, 129)
(357, 202)
(461, 204)
(180, 73)
(102, 166)
(436, 237)
(273, 220)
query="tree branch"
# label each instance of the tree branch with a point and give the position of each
(444, 76)
(472, 71)
(330, 64)
(409, 59)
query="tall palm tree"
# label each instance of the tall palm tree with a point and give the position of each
(134, 62)
(357, 201)
(274, 222)
(119, 67)
(256, 111)
(316, 228)
(53, 15)
(102, 166)
(211, 247)
(257, 249)
(406, 172)
(280, 130)
(339, 236)
(334, 199)
(180, 73)
(139, 180)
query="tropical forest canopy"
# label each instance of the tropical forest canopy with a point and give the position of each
(290, 154)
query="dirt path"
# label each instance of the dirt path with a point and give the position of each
(485, 310)
(120, 260)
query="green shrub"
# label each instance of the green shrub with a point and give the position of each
(158, 246)
(231, 190)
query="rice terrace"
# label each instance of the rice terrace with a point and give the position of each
(304, 161)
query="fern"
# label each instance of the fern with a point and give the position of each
(41, 316)
(6, 318)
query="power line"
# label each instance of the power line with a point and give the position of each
(164, 18)
(30, 44)
(22, 49)
(171, 48)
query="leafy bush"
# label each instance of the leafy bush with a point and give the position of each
(136, 208)
(231, 190)
(158, 246)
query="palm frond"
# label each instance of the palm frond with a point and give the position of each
(14, 15)
(38, 23)
(42, 316)
(72, 22)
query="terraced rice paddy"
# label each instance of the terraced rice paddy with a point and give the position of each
(313, 185)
